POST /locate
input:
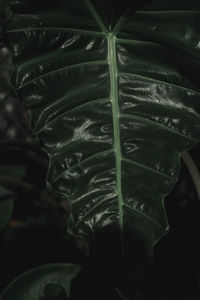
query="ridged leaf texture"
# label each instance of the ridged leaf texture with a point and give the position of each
(114, 99)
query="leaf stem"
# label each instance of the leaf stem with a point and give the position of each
(193, 170)
(38, 159)
(37, 155)
(14, 185)
(22, 144)
(119, 293)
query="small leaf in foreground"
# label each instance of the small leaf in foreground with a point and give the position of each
(34, 284)
(54, 291)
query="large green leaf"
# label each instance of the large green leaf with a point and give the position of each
(114, 100)
(47, 282)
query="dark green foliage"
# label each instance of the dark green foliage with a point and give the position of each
(43, 283)
(114, 100)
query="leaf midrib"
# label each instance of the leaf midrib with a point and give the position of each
(113, 71)
(115, 110)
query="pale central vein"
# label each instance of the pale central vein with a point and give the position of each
(112, 61)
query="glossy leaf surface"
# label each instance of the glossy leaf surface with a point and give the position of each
(36, 283)
(114, 101)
